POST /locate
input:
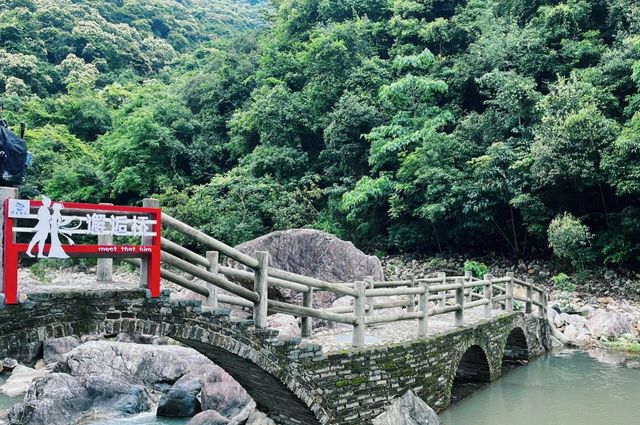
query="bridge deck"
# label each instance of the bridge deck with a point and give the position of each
(394, 333)
(330, 340)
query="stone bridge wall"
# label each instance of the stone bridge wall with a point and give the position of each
(293, 383)
(357, 385)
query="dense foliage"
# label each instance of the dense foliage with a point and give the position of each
(404, 125)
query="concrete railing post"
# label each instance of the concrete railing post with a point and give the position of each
(369, 284)
(5, 193)
(307, 322)
(545, 305)
(460, 301)
(213, 257)
(468, 278)
(261, 287)
(411, 298)
(529, 306)
(104, 270)
(443, 299)
(147, 240)
(423, 304)
(359, 307)
(488, 295)
(541, 306)
(509, 287)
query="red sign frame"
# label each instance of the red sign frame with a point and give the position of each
(152, 252)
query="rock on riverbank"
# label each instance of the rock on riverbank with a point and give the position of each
(20, 380)
(121, 379)
(587, 321)
(408, 410)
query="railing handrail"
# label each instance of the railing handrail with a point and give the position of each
(418, 292)
(207, 240)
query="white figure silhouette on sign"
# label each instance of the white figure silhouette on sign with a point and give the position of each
(42, 228)
(57, 227)
(50, 224)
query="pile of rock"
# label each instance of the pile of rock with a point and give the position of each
(592, 321)
(606, 283)
(403, 266)
(117, 379)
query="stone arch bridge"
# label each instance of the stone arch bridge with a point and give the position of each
(293, 382)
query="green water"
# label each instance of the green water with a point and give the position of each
(6, 402)
(568, 388)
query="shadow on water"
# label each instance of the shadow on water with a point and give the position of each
(473, 371)
(472, 374)
(516, 351)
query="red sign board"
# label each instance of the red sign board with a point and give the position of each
(55, 224)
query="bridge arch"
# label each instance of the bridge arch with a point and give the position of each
(515, 351)
(276, 391)
(471, 370)
(257, 360)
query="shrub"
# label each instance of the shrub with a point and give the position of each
(476, 268)
(563, 282)
(436, 263)
(570, 240)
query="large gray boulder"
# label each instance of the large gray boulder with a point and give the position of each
(181, 400)
(155, 366)
(315, 254)
(160, 367)
(54, 349)
(408, 410)
(221, 393)
(115, 395)
(56, 399)
(208, 417)
(608, 324)
(120, 379)
(59, 398)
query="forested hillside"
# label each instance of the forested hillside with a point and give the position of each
(427, 126)
(81, 72)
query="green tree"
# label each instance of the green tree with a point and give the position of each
(148, 147)
(570, 240)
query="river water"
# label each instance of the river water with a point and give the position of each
(6, 402)
(566, 388)
(143, 419)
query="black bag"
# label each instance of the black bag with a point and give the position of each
(13, 156)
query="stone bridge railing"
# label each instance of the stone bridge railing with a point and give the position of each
(293, 383)
(451, 293)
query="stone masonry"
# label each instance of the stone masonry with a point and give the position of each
(293, 383)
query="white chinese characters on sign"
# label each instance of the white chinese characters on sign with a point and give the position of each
(53, 224)
(97, 224)
(100, 224)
